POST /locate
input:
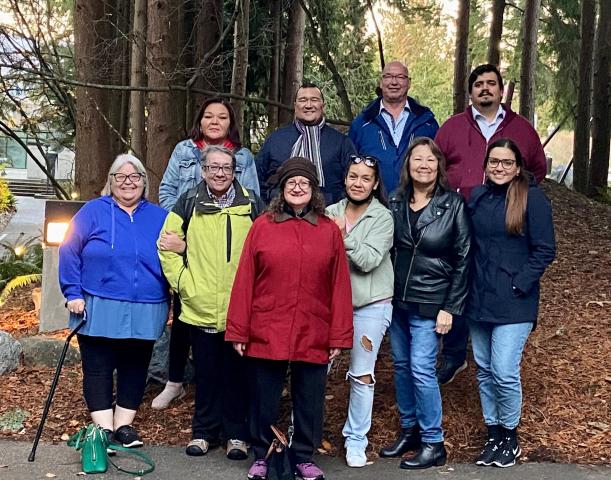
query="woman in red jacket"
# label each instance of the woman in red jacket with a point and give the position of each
(291, 304)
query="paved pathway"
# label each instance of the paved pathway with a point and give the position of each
(172, 463)
(29, 219)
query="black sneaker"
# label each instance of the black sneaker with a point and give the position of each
(492, 445)
(447, 372)
(128, 437)
(110, 438)
(509, 450)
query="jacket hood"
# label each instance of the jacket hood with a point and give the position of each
(373, 109)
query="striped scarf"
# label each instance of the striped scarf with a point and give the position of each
(308, 146)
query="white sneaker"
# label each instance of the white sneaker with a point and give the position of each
(355, 457)
(172, 391)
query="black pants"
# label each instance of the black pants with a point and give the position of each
(180, 342)
(100, 357)
(308, 382)
(220, 388)
(454, 348)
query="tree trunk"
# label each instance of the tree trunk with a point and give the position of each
(496, 32)
(121, 41)
(293, 60)
(138, 79)
(274, 71)
(240, 60)
(96, 142)
(460, 57)
(166, 110)
(509, 91)
(601, 125)
(581, 143)
(209, 26)
(529, 59)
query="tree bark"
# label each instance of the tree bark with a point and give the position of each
(460, 56)
(240, 60)
(293, 60)
(209, 26)
(496, 32)
(529, 59)
(274, 71)
(166, 110)
(601, 124)
(138, 78)
(581, 143)
(96, 142)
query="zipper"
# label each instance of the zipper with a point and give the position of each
(228, 238)
(411, 263)
(382, 139)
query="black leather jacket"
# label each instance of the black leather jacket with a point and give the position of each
(431, 266)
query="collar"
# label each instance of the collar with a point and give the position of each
(500, 113)
(223, 198)
(383, 108)
(287, 214)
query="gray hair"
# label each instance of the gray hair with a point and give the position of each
(217, 149)
(116, 166)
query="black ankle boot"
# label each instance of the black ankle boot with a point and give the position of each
(429, 454)
(408, 439)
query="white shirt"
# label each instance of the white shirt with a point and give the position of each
(488, 128)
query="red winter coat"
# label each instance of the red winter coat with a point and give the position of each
(464, 147)
(291, 298)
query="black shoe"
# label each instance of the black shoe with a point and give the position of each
(110, 438)
(447, 371)
(128, 437)
(509, 450)
(491, 447)
(429, 454)
(408, 439)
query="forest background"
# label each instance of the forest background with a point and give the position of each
(103, 77)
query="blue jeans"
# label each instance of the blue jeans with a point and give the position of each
(497, 350)
(414, 344)
(370, 325)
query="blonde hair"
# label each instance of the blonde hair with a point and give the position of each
(118, 164)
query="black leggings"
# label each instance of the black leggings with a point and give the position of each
(101, 356)
(180, 342)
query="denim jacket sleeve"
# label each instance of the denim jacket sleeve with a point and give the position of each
(180, 175)
(246, 170)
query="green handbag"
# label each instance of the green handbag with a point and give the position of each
(93, 444)
(91, 441)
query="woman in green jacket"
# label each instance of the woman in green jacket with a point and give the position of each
(367, 227)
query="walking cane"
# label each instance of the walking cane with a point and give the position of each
(58, 370)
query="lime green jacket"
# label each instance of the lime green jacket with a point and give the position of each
(203, 275)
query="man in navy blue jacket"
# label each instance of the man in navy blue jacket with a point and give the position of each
(385, 128)
(310, 137)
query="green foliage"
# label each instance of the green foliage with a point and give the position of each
(20, 265)
(7, 200)
(18, 282)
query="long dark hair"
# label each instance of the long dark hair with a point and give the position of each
(233, 135)
(406, 182)
(278, 204)
(380, 192)
(517, 193)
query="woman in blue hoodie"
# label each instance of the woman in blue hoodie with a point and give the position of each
(108, 265)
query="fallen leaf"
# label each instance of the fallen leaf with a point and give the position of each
(73, 423)
(65, 437)
(81, 473)
(329, 397)
(3, 466)
(326, 445)
(322, 451)
(50, 475)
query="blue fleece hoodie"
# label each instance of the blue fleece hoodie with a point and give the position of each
(112, 254)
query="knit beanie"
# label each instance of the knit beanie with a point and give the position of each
(295, 167)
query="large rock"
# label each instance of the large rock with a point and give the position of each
(10, 352)
(45, 351)
(158, 368)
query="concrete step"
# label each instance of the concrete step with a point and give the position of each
(29, 187)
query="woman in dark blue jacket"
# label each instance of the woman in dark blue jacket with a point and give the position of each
(513, 236)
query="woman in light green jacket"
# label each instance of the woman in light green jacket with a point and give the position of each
(367, 227)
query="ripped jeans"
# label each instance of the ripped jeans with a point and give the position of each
(370, 325)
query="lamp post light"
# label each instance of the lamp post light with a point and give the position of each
(58, 213)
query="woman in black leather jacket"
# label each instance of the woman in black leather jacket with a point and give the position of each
(431, 249)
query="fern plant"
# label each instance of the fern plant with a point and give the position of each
(21, 265)
(18, 282)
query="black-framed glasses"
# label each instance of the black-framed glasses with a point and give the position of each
(366, 159)
(505, 162)
(121, 177)
(214, 169)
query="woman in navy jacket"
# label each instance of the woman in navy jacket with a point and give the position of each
(513, 234)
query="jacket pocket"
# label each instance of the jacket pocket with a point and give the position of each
(264, 303)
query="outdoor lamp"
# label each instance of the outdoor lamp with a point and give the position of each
(58, 214)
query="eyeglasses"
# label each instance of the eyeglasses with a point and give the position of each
(303, 185)
(121, 177)
(214, 169)
(367, 160)
(387, 77)
(505, 162)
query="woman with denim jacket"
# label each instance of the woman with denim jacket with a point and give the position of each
(367, 227)
(431, 259)
(214, 124)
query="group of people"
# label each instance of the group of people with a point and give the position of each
(277, 264)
